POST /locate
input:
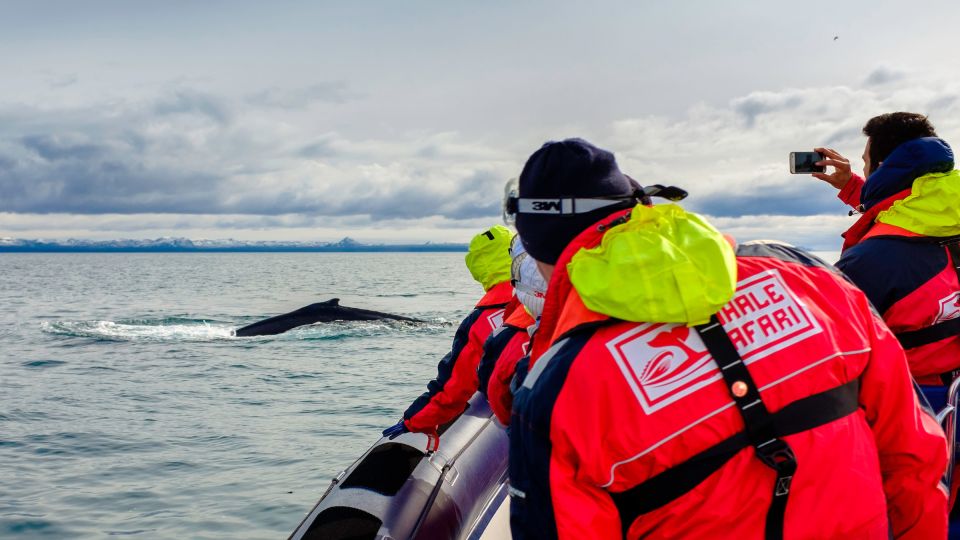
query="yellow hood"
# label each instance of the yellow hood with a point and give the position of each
(663, 265)
(488, 257)
(931, 209)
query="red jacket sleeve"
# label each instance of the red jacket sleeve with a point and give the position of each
(450, 400)
(587, 511)
(850, 194)
(498, 391)
(911, 446)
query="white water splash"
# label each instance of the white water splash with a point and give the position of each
(114, 331)
(199, 331)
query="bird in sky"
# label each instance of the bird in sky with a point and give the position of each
(836, 38)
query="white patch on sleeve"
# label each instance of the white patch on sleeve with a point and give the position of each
(949, 308)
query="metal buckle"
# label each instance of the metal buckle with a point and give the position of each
(777, 455)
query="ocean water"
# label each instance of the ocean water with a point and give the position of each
(128, 409)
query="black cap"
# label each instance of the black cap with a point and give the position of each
(568, 168)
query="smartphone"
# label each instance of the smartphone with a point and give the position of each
(803, 162)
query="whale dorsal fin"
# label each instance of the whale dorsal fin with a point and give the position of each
(332, 302)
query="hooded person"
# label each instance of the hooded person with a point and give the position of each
(904, 249)
(682, 387)
(488, 259)
(509, 343)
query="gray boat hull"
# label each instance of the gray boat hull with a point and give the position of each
(396, 491)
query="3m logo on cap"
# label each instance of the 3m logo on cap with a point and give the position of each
(665, 362)
(495, 319)
(949, 308)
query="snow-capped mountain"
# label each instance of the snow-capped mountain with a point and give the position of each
(167, 244)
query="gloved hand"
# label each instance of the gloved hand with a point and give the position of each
(396, 430)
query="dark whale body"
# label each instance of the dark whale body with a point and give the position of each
(331, 310)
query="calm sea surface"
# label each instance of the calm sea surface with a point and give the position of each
(128, 409)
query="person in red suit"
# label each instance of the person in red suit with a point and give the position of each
(680, 386)
(488, 259)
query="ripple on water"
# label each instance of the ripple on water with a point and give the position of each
(43, 363)
(20, 415)
(78, 444)
(31, 526)
(195, 433)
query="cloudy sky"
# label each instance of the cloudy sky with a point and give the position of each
(400, 121)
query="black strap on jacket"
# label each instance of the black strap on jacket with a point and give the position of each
(758, 421)
(763, 431)
(943, 330)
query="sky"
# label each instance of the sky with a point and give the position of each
(398, 122)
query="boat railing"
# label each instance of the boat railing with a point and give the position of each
(947, 418)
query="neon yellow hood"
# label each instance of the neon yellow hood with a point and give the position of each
(488, 257)
(931, 209)
(663, 265)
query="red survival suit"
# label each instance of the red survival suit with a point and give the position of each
(904, 252)
(616, 420)
(505, 347)
(456, 381)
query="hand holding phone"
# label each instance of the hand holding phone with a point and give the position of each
(841, 168)
(806, 163)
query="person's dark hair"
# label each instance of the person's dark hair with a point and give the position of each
(890, 130)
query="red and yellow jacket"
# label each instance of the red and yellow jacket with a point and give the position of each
(456, 381)
(903, 252)
(505, 347)
(622, 396)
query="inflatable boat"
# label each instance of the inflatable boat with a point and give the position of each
(397, 491)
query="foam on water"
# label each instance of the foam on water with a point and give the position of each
(193, 330)
(118, 331)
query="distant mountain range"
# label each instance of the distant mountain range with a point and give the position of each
(186, 245)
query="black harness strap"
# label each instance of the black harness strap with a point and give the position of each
(798, 416)
(763, 430)
(930, 334)
(758, 421)
(943, 330)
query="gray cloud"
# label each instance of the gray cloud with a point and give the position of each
(942, 103)
(199, 159)
(152, 157)
(57, 148)
(844, 136)
(472, 197)
(758, 103)
(64, 80)
(193, 102)
(106, 185)
(801, 199)
(297, 98)
(316, 150)
(884, 75)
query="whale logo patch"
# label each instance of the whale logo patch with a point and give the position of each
(665, 362)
